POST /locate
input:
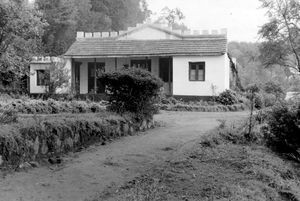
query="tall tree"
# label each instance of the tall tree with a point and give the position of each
(281, 34)
(65, 17)
(60, 15)
(123, 13)
(251, 68)
(173, 17)
(21, 29)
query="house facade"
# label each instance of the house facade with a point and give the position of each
(39, 74)
(190, 64)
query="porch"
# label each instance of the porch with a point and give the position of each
(84, 71)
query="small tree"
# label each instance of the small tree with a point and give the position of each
(252, 91)
(57, 76)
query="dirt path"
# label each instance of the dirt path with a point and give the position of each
(86, 173)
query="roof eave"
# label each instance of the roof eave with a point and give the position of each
(143, 55)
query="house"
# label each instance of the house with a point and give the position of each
(39, 71)
(189, 63)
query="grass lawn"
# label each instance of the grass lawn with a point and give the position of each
(216, 170)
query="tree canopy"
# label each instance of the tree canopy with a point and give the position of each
(281, 34)
(65, 17)
(21, 29)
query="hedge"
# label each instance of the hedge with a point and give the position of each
(34, 138)
(207, 108)
(51, 106)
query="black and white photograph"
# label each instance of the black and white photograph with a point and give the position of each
(149, 100)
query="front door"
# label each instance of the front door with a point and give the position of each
(94, 84)
(166, 74)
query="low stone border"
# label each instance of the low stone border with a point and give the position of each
(34, 141)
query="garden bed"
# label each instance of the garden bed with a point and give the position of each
(34, 137)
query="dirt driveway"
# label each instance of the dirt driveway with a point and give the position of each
(86, 173)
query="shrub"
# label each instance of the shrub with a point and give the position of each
(269, 99)
(132, 90)
(283, 132)
(8, 116)
(258, 101)
(51, 106)
(273, 88)
(227, 97)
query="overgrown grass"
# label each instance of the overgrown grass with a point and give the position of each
(226, 164)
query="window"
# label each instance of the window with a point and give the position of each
(197, 71)
(42, 77)
(143, 64)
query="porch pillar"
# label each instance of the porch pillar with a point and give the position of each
(95, 76)
(116, 63)
(73, 75)
(147, 67)
(170, 75)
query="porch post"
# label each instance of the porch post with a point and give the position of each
(170, 75)
(73, 75)
(95, 76)
(147, 67)
(116, 63)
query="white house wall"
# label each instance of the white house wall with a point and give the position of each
(34, 89)
(215, 74)
(227, 72)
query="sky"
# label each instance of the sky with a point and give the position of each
(242, 18)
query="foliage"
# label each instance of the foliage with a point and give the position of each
(36, 137)
(227, 97)
(65, 17)
(274, 88)
(258, 101)
(283, 131)
(132, 90)
(173, 17)
(8, 116)
(57, 77)
(251, 69)
(282, 34)
(268, 99)
(21, 29)
(50, 106)
(173, 104)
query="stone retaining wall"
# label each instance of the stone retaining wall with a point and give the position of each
(52, 138)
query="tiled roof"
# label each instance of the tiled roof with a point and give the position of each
(89, 47)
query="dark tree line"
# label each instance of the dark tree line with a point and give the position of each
(65, 17)
(49, 27)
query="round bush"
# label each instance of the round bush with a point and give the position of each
(227, 97)
(132, 90)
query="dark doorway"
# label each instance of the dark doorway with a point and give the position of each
(166, 73)
(94, 70)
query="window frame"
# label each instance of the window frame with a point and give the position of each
(42, 82)
(202, 63)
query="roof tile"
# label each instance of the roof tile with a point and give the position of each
(114, 48)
